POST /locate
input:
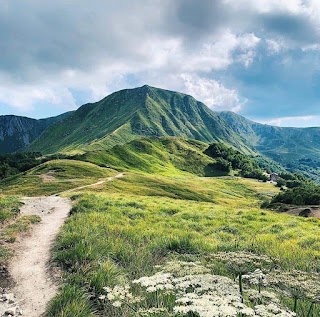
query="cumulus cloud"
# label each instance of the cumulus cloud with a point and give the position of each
(212, 93)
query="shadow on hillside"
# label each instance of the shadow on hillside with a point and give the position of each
(211, 170)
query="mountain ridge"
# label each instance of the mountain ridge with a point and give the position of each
(153, 112)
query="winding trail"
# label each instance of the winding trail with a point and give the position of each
(34, 287)
(109, 179)
(34, 284)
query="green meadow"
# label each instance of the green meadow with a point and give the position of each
(120, 230)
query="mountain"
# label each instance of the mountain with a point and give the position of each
(130, 113)
(148, 111)
(17, 132)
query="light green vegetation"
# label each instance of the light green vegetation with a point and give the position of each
(11, 224)
(120, 230)
(22, 224)
(9, 209)
(54, 177)
(165, 156)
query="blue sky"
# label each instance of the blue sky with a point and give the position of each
(259, 58)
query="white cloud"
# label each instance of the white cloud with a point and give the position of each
(274, 46)
(25, 97)
(219, 53)
(212, 93)
(297, 121)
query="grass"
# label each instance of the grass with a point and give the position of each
(61, 175)
(163, 208)
(124, 228)
(9, 208)
(11, 225)
(22, 224)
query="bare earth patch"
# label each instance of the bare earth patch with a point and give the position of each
(48, 177)
(307, 211)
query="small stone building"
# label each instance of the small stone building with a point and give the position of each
(274, 177)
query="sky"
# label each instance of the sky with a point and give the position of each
(259, 58)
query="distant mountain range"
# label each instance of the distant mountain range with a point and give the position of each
(17, 132)
(147, 111)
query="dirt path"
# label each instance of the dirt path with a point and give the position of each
(109, 179)
(34, 285)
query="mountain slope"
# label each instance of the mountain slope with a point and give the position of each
(298, 149)
(16, 132)
(128, 114)
(165, 156)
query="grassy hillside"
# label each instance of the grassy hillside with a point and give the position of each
(123, 229)
(166, 156)
(53, 177)
(148, 111)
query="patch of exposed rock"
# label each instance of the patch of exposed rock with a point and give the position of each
(9, 306)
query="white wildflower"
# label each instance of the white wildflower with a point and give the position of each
(272, 310)
(255, 278)
(116, 303)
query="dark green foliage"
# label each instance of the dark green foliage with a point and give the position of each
(281, 182)
(227, 159)
(291, 180)
(223, 165)
(308, 194)
(11, 164)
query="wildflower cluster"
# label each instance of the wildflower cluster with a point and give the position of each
(272, 310)
(118, 295)
(256, 278)
(242, 262)
(296, 284)
(188, 288)
(159, 281)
